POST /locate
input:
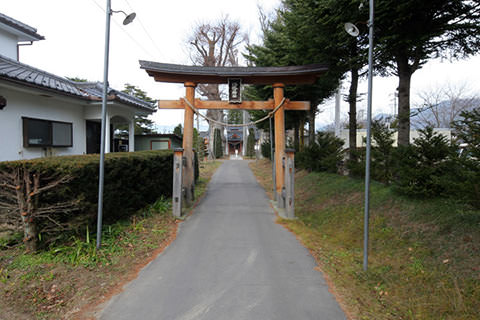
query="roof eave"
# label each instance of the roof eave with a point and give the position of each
(114, 98)
(249, 75)
(42, 88)
(23, 34)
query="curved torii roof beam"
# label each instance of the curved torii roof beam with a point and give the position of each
(164, 72)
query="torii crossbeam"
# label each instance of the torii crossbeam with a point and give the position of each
(278, 77)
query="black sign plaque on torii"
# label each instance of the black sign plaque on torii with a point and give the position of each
(234, 90)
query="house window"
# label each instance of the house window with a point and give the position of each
(46, 133)
(159, 144)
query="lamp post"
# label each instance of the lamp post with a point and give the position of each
(129, 18)
(353, 31)
(369, 137)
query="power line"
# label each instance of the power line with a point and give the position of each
(125, 31)
(99, 6)
(146, 31)
(133, 39)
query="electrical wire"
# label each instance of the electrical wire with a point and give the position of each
(126, 32)
(99, 6)
(145, 29)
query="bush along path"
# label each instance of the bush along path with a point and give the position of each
(49, 197)
(424, 259)
(67, 279)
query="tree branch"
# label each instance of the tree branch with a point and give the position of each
(50, 185)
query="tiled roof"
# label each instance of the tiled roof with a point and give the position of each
(21, 73)
(232, 71)
(236, 133)
(20, 26)
(165, 72)
(14, 71)
(95, 89)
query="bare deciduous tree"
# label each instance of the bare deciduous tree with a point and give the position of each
(439, 107)
(215, 45)
(20, 191)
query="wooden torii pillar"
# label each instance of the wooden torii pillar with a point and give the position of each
(279, 120)
(189, 172)
(277, 77)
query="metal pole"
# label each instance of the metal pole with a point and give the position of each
(369, 139)
(290, 183)
(272, 157)
(104, 115)
(337, 113)
(245, 129)
(226, 139)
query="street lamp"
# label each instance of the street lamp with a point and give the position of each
(128, 19)
(353, 31)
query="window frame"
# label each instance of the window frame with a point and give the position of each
(27, 144)
(161, 140)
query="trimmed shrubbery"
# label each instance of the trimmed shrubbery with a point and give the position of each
(47, 196)
(251, 143)
(196, 166)
(325, 154)
(424, 165)
(382, 153)
(265, 149)
(217, 144)
(467, 184)
(429, 167)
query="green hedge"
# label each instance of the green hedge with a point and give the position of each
(217, 144)
(251, 143)
(132, 180)
(196, 166)
(266, 150)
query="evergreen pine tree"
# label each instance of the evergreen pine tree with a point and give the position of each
(251, 143)
(178, 130)
(382, 152)
(423, 165)
(218, 150)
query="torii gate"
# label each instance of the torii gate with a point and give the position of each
(190, 76)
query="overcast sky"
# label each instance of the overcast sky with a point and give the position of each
(75, 33)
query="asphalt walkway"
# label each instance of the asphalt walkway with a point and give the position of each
(230, 261)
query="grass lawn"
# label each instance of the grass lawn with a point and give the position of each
(70, 279)
(424, 260)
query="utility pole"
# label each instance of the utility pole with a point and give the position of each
(337, 113)
(369, 138)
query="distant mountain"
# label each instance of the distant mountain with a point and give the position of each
(441, 115)
(383, 117)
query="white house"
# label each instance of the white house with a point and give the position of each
(414, 134)
(42, 114)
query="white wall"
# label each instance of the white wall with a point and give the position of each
(414, 134)
(8, 45)
(94, 111)
(24, 104)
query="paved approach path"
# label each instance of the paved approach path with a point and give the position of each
(230, 261)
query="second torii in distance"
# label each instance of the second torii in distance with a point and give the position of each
(278, 77)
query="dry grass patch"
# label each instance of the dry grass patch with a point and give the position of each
(424, 254)
(70, 278)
